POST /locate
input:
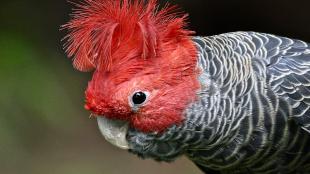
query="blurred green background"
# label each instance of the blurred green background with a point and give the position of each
(43, 126)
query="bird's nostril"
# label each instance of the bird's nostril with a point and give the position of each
(87, 107)
(95, 109)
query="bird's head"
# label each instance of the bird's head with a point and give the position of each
(144, 64)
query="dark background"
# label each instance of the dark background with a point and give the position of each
(43, 126)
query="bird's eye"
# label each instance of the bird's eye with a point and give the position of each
(138, 98)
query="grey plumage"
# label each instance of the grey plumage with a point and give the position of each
(253, 112)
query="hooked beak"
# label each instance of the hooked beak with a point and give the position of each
(114, 131)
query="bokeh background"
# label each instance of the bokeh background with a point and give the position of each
(43, 126)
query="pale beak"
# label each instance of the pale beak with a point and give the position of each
(114, 131)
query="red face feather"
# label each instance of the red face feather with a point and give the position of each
(133, 46)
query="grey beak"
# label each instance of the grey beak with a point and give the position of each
(114, 131)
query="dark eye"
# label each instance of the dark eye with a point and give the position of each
(138, 98)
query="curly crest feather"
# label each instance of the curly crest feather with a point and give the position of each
(99, 27)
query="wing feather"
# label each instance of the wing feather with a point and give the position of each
(288, 72)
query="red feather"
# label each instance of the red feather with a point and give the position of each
(98, 27)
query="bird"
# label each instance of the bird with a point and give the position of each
(233, 103)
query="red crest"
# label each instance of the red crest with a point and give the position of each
(99, 26)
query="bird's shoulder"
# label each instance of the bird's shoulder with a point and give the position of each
(284, 63)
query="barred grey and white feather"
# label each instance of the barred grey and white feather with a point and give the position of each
(253, 111)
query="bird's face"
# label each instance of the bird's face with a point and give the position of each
(147, 95)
